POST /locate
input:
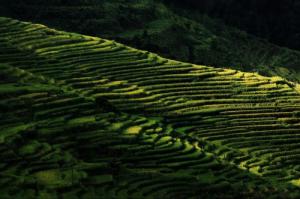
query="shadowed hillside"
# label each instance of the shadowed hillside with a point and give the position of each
(277, 21)
(178, 33)
(84, 117)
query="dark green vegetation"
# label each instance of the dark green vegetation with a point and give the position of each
(178, 33)
(277, 21)
(84, 117)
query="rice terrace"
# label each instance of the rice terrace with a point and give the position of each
(88, 117)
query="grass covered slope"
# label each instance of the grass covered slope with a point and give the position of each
(86, 117)
(177, 33)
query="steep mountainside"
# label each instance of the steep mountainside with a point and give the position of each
(84, 117)
(182, 34)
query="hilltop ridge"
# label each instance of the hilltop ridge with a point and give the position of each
(174, 32)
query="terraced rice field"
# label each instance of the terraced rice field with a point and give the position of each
(84, 117)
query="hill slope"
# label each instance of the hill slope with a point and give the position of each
(86, 117)
(177, 33)
(276, 21)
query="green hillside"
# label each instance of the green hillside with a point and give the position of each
(177, 33)
(84, 117)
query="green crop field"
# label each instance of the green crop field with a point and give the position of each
(85, 117)
(172, 31)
